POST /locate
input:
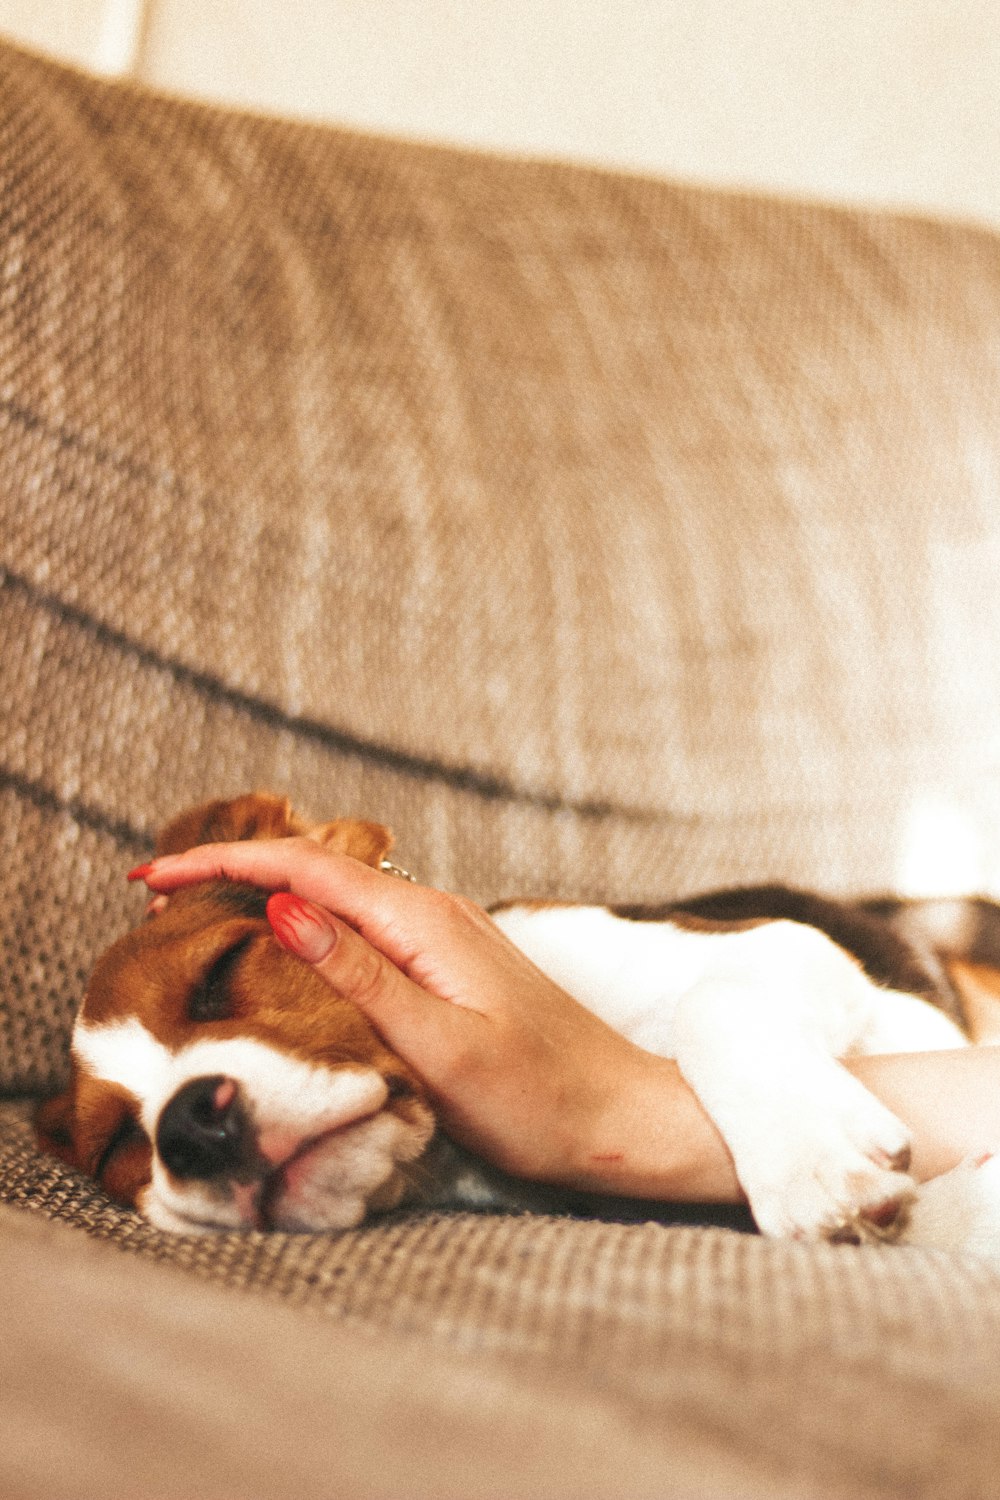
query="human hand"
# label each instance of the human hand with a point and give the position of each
(517, 1069)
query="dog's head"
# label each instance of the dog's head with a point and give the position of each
(216, 1081)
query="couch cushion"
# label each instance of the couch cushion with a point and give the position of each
(605, 537)
(710, 1363)
(221, 1399)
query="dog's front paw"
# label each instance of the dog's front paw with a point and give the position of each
(835, 1169)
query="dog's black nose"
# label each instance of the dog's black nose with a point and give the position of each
(202, 1131)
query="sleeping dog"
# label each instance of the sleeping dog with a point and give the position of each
(218, 1083)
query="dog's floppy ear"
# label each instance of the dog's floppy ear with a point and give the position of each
(54, 1125)
(257, 815)
(260, 815)
(369, 842)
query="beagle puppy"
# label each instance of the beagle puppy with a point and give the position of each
(217, 1083)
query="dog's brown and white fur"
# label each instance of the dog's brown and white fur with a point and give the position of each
(217, 1083)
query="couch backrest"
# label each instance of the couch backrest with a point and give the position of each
(603, 536)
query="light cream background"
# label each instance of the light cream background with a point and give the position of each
(886, 101)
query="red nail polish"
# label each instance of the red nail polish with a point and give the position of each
(298, 927)
(139, 873)
(283, 912)
(280, 921)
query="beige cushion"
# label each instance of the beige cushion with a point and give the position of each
(472, 1356)
(150, 1384)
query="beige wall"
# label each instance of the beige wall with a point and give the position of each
(894, 101)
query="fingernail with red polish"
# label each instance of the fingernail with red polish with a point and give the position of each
(300, 927)
(139, 873)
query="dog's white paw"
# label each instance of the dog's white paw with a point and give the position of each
(960, 1210)
(834, 1168)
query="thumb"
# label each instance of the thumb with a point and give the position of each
(417, 1025)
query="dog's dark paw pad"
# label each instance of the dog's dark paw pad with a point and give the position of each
(886, 1220)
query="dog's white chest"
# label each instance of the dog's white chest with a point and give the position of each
(628, 973)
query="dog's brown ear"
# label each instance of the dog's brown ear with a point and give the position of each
(369, 842)
(54, 1125)
(260, 815)
(257, 815)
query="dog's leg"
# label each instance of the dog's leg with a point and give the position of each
(817, 1155)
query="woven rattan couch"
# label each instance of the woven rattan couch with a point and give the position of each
(606, 538)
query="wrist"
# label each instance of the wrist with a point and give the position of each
(648, 1136)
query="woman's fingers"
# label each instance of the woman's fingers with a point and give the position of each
(381, 906)
(266, 862)
(442, 942)
(415, 1024)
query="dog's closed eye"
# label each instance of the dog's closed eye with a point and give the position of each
(211, 998)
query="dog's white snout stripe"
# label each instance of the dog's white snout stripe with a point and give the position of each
(280, 1090)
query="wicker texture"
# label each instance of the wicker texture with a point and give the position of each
(832, 1371)
(379, 1415)
(607, 539)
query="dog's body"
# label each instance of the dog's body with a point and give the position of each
(218, 1084)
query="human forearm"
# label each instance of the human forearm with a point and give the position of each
(950, 1100)
(673, 1152)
